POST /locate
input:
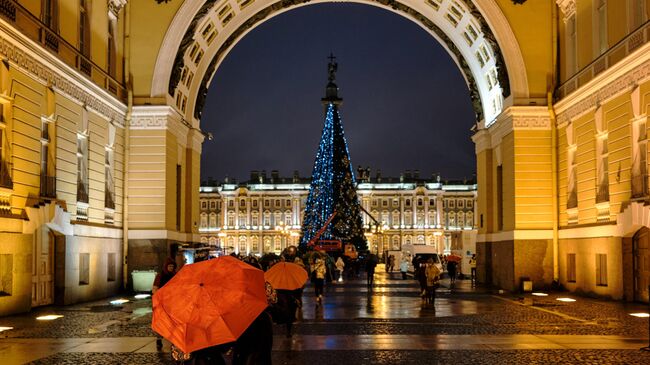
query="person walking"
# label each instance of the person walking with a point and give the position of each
(391, 263)
(403, 268)
(472, 266)
(432, 274)
(451, 270)
(371, 264)
(167, 273)
(340, 267)
(319, 271)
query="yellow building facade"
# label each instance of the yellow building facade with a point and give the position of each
(101, 140)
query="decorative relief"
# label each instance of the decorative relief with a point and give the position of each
(607, 91)
(114, 7)
(56, 80)
(532, 123)
(568, 8)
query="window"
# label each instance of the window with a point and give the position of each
(82, 167)
(461, 220)
(6, 274)
(204, 221)
(110, 266)
(288, 203)
(600, 23)
(242, 220)
(571, 46)
(374, 202)
(213, 205)
(384, 203)
(255, 221)
(231, 220)
(213, 220)
(267, 219)
(571, 268)
(408, 218)
(110, 62)
(242, 203)
(572, 188)
(396, 202)
(242, 245)
(109, 182)
(640, 160)
(452, 203)
(432, 202)
(420, 202)
(204, 205)
(255, 245)
(50, 13)
(601, 269)
(255, 203)
(84, 28)
(470, 204)
(636, 13)
(277, 244)
(396, 245)
(602, 167)
(277, 203)
(84, 268)
(267, 203)
(407, 202)
(231, 203)
(469, 221)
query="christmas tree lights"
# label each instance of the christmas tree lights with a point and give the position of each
(333, 185)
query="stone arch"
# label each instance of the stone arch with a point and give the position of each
(202, 33)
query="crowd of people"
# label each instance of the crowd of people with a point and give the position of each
(254, 346)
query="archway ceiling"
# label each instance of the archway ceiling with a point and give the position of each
(217, 25)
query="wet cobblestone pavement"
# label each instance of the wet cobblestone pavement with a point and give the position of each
(385, 325)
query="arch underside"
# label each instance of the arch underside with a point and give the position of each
(198, 22)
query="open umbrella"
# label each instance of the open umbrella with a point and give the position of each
(286, 276)
(209, 303)
(455, 258)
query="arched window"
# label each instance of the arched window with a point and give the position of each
(395, 221)
(267, 244)
(204, 239)
(452, 219)
(255, 220)
(242, 220)
(277, 245)
(267, 219)
(420, 220)
(469, 221)
(408, 218)
(242, 245)
(212, 241)
(213, 220)
(396, 243)
(287, 218)
(204, 221)
(255, 244)
(421, 240)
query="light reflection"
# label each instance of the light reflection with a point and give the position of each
(49, 317)
(119, 301)
(540, 294)
(142, 296)
(640, 315)
(5, 328)
(567, 300)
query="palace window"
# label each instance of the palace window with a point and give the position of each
(204, 221)
(255, 203)
(571, 46)
(600, 27)
(572, 188)
(82, 160)
(242, 203)
(204, 205)
(640, 158)
(84, 27)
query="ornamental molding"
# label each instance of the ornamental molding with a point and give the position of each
(633, 71)
(165, 117)
(518, 118)
(114, 7)
(25, 55)
(568, 8)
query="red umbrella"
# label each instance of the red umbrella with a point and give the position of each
(454, 258)
(209, 303)
(287, 276)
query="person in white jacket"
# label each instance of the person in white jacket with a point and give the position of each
(340, 266)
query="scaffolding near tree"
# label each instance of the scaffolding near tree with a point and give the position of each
(333, 185)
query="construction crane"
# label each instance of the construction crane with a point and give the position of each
(320, 232)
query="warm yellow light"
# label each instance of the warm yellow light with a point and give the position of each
(49, 317)
(221, 234)
(437, 233)
(142, 296)
(565, 300)
(295, 234)
(119, 301)
(640, 315)
(540, 294)
(5, 328)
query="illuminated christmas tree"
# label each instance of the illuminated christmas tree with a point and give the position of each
(333, 185)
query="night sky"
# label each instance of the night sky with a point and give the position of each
(405, 103)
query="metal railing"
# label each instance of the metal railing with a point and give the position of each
(639, 185)
(613, 55)
(32, 27)
(48, 186)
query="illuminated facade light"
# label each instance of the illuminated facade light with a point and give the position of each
(5, 328)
